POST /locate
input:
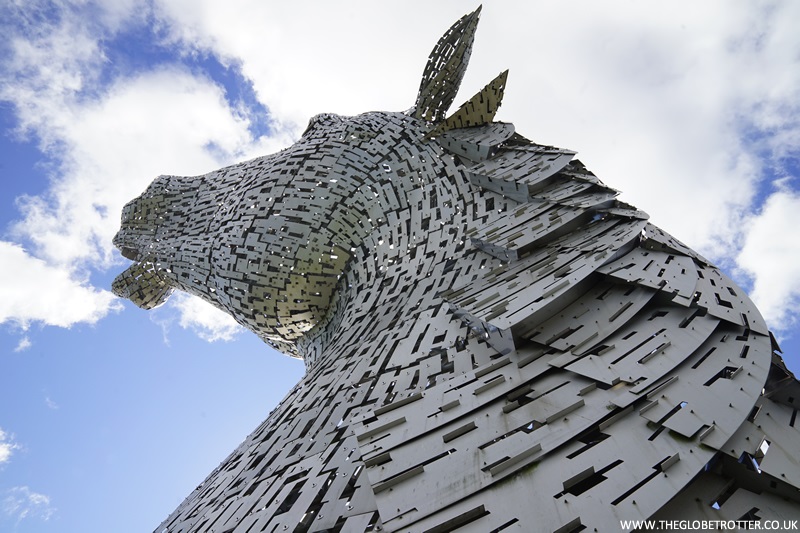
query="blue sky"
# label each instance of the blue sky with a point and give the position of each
(110, 415)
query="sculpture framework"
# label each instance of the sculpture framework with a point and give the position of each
(493, 342)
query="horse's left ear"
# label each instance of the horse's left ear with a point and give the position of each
(478, 110)
(445, 69)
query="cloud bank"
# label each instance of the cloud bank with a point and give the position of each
(37, 291)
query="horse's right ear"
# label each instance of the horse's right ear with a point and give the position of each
(445, 69)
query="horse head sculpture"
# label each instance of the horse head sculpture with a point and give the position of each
(270, 239)
(481, 320)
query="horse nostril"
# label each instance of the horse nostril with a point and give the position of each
(129, 253)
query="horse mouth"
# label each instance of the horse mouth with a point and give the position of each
(129, 253)
(142, 284)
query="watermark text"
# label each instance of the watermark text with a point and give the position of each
(710, 525)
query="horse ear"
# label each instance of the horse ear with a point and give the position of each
(445, 69)
(478, 110)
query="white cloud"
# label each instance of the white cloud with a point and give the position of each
(21, 503)
(308, 57)
(199, 316)
(49, 63)
(50, 403)
(35, 291)
(7, 447)
(771, 255)
(23, 344)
